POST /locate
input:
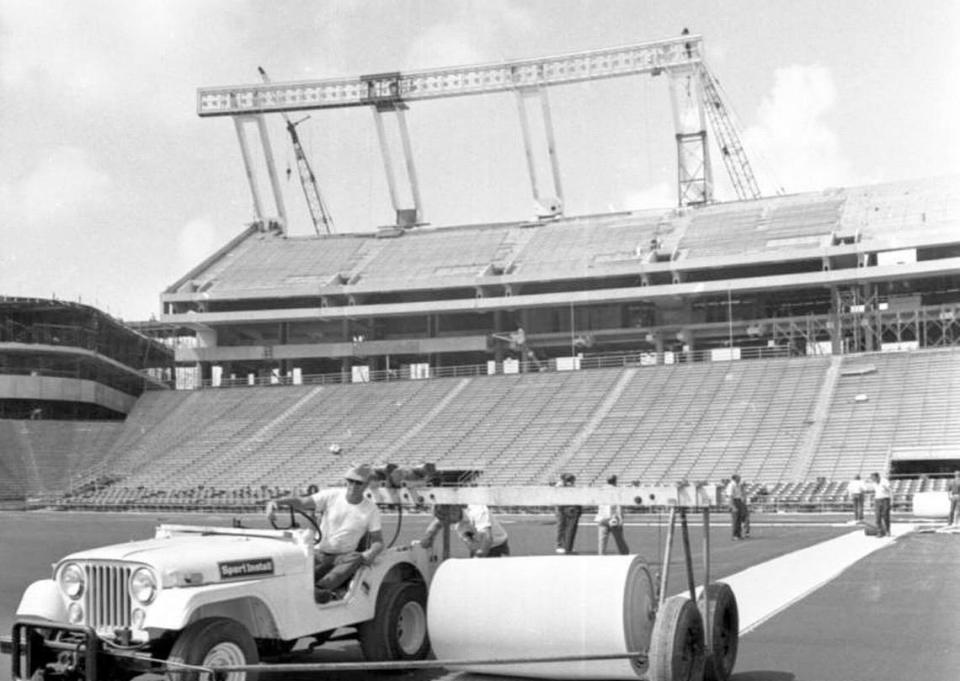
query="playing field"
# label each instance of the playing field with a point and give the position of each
(893, 614)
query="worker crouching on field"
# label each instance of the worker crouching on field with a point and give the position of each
(482, 533)
(347, 517)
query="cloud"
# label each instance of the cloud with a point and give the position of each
(660, 195)
(792, 133)
(114, 58)
(62, 184)
(493, 24)
(195, 242)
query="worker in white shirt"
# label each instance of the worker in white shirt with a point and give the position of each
(479, 529)
(855, 490)
(881, 502)
(738, 509)
(610, 522)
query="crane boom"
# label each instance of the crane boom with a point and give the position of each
(735, 159)
(318, 211)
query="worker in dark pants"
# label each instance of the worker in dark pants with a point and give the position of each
(738, 509)
(568, 519)
(881, 502)
(856, 490)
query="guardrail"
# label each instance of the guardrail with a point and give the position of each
(551, 365)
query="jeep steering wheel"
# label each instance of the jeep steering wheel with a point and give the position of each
(317, 534)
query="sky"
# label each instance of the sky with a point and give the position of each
(112, 188)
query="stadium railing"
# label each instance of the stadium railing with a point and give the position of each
(605, 361)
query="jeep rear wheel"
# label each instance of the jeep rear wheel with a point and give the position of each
(215, 642)
(398, 630)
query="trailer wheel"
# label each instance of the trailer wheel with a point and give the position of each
(213, 642)
(676, 643)
(398, 630)
(724, 629)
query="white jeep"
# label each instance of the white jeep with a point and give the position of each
(211, 596)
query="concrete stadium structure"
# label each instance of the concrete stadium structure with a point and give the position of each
(64, 360)
(839, 271)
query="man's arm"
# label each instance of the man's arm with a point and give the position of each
(481, 543)
(431, 532)
(376, 546)
(304, 504)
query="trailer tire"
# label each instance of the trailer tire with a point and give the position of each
(217, 641)
(724, 627)
(676, 643)
(398, 630)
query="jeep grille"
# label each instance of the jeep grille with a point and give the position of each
(106, 600)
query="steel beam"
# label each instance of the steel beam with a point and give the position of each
(653, 58)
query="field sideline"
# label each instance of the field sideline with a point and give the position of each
(889, 616)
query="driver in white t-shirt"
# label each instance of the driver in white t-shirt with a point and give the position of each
(347, 515)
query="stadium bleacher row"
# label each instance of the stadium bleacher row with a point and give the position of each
(797, 429)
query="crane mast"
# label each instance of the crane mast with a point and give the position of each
(318, 211)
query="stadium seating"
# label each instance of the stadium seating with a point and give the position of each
(888, 401)
(259, 264)
(236, 447)
(787, 222)
(577, 246)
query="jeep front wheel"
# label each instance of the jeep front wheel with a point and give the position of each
(215, 642)
(398, 630)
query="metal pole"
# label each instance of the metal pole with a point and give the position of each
(687, 556)
(708, 635)
(385, 154)
(527, 145)
(238, 123)
(665, 567)
(446, 540)
(730, 321)
(408, 158)
(405, 664)
(551, 144)
(272, 171)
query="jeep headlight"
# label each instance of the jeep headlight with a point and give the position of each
(72, 580)
(143, 586)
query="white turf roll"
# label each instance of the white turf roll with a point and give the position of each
(543, 606)
(931, 504)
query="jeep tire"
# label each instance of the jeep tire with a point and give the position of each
(398, 630)
(213, 642)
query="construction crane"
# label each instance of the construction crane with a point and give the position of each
(318, 211)
(728, 141)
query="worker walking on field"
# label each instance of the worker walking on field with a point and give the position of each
(568, 519)
(953, 492)
(855, 490)
(881, 502)
(738, 509)
(610, 523)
